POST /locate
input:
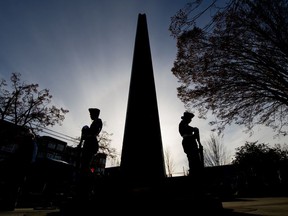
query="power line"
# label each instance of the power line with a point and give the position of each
(54, 133)
(71, 138)
(60, 137)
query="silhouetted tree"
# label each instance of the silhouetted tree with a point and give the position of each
(215, 153)
(259, 156)
(25, 105)
(105, 144)
(169, 162)
(235, 66)
(263, 169)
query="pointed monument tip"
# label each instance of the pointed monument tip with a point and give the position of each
(142, 17)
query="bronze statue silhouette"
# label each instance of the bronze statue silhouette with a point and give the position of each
(89, 145)
(191, 143)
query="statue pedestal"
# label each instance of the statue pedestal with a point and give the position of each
(175, 194)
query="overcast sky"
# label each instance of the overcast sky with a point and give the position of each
(82, 50)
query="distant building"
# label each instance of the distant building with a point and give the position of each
(48, 148)
(112, 171)
(52, 148)
(71, 155)
(98, 164)
(7, 133)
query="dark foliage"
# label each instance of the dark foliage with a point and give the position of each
(25, 105)
(236, 66)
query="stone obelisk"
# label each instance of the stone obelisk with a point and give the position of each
(142, 152)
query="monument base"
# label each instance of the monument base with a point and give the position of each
(175, 194)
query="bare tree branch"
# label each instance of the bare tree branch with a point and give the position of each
(236, 66)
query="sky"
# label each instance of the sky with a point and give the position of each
(82, 51)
